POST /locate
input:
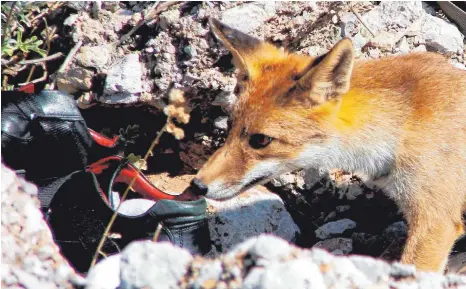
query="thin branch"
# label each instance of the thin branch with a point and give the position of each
(44, 59)
(70, 56)
(156, 9)
(157, 232)
(361, 20)
(125, 194)
(6, 28)
(42, 78)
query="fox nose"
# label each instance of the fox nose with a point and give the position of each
(198, 187)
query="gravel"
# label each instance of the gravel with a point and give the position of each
(30, 258)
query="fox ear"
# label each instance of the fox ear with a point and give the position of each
(329, 75)
(239, 43)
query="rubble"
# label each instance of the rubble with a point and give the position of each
(233, 221)
(441, 36)
(75, 79)
(267, 262)
(30, 258)
(335, 228)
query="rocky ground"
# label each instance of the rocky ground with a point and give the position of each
(120, 85)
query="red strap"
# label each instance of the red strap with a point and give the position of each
(28, 88)
(103, 140)
(141, 185)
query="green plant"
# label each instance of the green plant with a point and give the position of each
(25, 46)
(16, 17)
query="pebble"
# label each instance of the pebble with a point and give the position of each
(124, 76)
(221, 122)
(334, 228)
(248, 16)
(337, 246)
(93, 56)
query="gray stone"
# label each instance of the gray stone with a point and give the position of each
(78, 5)
(225, 99)
(249, 16)
(146, 264)
(75, 79)
(124, 77)
(337, 246)
(169, 18)
(252, 213)
(221, 122)
(190, 50)
(334, 228)
(342, 208)
(111, 5)
(395, 231)
(441, 36)
(70, 20)
(105, 274)
(93, 56)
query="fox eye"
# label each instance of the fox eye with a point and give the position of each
(259, 141)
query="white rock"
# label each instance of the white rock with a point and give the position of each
(441, 36)
(297, 273)
(70, 20)
(264, 249)
(399, 13)
(225, 99)
(420, 48)
(105, 274)
(146, 264)
(403, 45)
(93, 56)
(249, 16)
(252, 213)
(337, 246)
(285, 179)
(124, 78)
(331, 229)
(459, 65)
(221, 122)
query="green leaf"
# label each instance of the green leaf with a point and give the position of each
(137, 161)
(42, 52)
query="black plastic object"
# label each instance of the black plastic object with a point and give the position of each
(81, 210)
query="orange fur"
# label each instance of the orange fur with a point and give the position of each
(399, 120)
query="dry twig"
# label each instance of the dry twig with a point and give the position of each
(361, 20)
(157, 232)
(156, 9)
(125, 194)
(44, 59)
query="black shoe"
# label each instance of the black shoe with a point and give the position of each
(81, 210)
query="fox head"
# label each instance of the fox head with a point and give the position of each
(285, 116)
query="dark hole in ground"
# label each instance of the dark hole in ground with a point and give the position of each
(224, 63)
(372, 216)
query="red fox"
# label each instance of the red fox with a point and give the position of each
(398, 122)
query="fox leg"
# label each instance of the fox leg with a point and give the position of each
(433, 229)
